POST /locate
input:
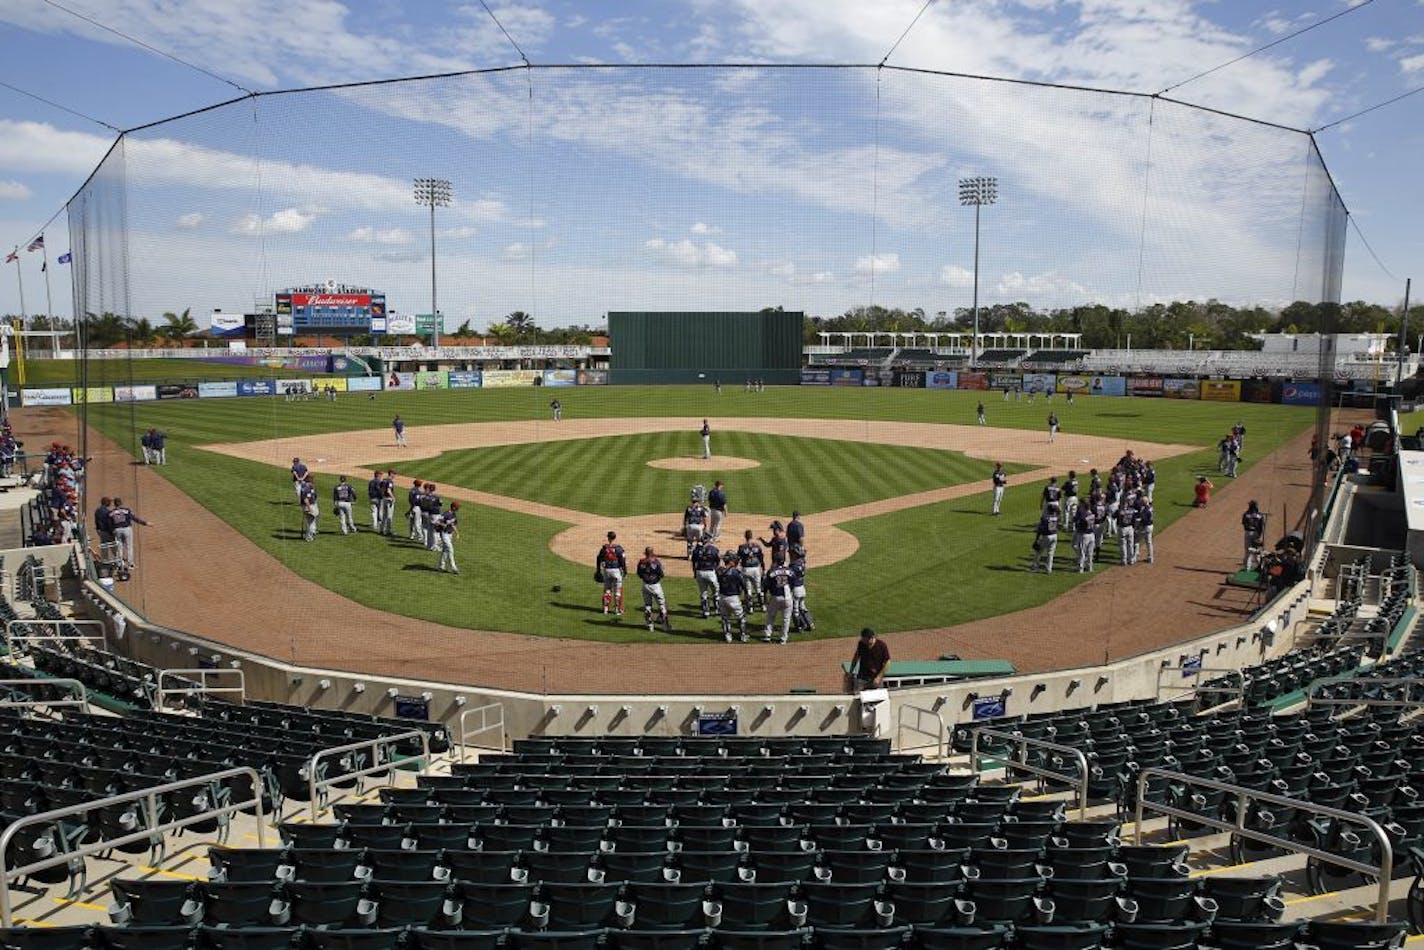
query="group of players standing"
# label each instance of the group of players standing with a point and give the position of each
(1119, 507)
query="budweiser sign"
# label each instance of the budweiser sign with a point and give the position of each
(331, 300)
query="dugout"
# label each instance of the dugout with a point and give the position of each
(654, 347)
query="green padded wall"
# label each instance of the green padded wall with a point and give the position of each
(702, 346)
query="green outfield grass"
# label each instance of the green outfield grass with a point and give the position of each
(802, 474)
(123, 372)
(927, 566)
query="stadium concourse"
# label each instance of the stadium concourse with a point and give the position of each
(199, 574)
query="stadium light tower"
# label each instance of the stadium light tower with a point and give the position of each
(436, 193)
(978, 191)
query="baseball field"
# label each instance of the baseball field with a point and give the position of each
(892, 484)
(125, 372)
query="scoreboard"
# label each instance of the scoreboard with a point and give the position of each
(333, 308)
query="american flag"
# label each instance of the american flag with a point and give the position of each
(36, 244)
(13, 256)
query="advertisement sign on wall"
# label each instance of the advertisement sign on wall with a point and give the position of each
(989, 707)
(559, 377)
(403, 382)
(463, 378)
(909, 379)
(363, 384)
(226, 324)
(45, 397)
(815, 377)
(1039, 382)
(1078, 385)
(505, 378)
(870, 381)
(1180, 388)
(1107, 386)
(400, 323)
(1302, 394)
(175, 391)
(972, 380)
(430, 379)
(1144, 386)
(291, 387)
(1221, 390)
(847, 377)
(941, 379)
(337, 383)
(135, 393)
(253, 387)
(1259, 390)
(216, 390)
(1004, 380)
(93, 394)
(593, 377)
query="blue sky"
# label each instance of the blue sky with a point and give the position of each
(580, 191)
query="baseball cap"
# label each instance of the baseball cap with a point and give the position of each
(866, 633)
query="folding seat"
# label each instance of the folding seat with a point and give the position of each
(1154, 860)
(707, 866)
(781, 796)
(383, 837)
(962, 938)
(1154, 936)
(246, 864)
(298, 835)
(1084, 936)
(1030, 835)
(578, 907)
(783, 865)
(907, 836)
(1245, 898)
(775, 837)
(1007, 900)
(245, 938)
(930, 866)
(706, 816)
(480, 906)
(325, 905)
(455, 939)
(573, 837)
(154, 902)
(742, 906)
(640, 813)
(973, 811)
(1005, 862)
(1236, 935)
(754, 813)
(509, 797)
(1087, 834)
(959, 834)
(868, 813)
(697, 838)
(840, 905)
(922, 812)
(239, 904)
(361, 814)
(1169, 899)
(141, 938)
(651, 837)
(1083, 863)
(842, 837)
(814, 813)
(405, 796)
(644, 866)
(412, 866)
(557, 867)
(856, 867)
(585, 815)
(1084, 900)
(664, 906)
(496, 837)
(355, 939)
(1335, 935)
(45, 938)
(324, 865)
(410, 904)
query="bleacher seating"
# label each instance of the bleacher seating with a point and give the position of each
(1054, 359)
(860, 356)
(1001, 357)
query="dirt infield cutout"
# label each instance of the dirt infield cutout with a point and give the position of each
(696, 463)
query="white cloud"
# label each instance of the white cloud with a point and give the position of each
(517, 251)
(13, 191)
(458, 234)
(191, 220)
(370, 235)
(822, 277)
(703, 228)
(1378, 44)
(1315, 71)
(786, 271)
(686, 253)
(1412, 64)
(1041, 289)
(402, 257)
(884, 263)
(285, 221)
(953, 275)
(40, 147)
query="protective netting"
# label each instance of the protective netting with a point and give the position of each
(584, 190)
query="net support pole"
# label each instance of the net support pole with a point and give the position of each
(1403, 336)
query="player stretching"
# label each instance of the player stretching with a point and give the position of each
(611, 566)
(704, 559)
(776, 587)
(650, 571)
(731, 585)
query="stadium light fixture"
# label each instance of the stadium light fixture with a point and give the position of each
(978, 191)
(433, 193)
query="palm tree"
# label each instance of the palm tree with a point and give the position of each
(521, 325)
(179, 325)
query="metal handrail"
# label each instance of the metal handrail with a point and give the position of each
(102, 637)
(160, 694)
(82, 702)
(1239, 689)
(377, 764)
(150, 797)
(1384, 871)
(1408, 682)
(485, 726)
(1022, 764)
(940, 733)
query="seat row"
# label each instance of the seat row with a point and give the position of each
(703, 746)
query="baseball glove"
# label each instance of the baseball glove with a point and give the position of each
(598, 575)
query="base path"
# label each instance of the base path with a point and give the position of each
(197, 573)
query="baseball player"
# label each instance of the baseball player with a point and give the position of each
(1070, 496)
(1253, 523)
(1127, 532)
(704, 559)
(1052, 493)
(373, 495)
(145, 442)
(751, 559)
(717, 508)
(557, 408)
(398, 425)
(1112, 497)
(1000, 480)
(415, 513)
(731, 585)
(123, 519)
(800, 613)
(430, 505)
(694, 524)
(777, 543)
(388, 501)
(610, 567)
(1052, 422)
(342, 498)
(650, 572)
(1149, 480)
(1100, 519)
(159, 439)
(776, 591)
(979, 413)
(1144, 527)
(795, 530)
(310, 510)
(1083, 537)
(102, 525)
(1045, 540)
(447, 526)
(706, 440)
(299, 474)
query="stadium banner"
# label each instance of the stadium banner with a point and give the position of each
(177, 391)
(337, 383)
(1180, 388)
(294, 387)
(378, 325)
(93, 394)
(345, 364)
(1005, 380)
(1144, 386)
(1039, 382)
(1302, 394)
(463, 378)
(1221, 390)
(593, 377)
(1078, 385)
(1260, 390)
(941, 379)
(400, 324)
(560, 377)
(1107, 386)
(506, 378)
(968, 380)
(847, 377)
(870, 381)
(252, 387)
(226, 324)
(44, 397)
(135, 393)
(990, 707)
(430, 379)
(216, 390)
(909, 379)
(363, 384)
(402, 382)
(815, 377)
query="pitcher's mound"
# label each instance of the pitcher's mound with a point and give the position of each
(696, 463)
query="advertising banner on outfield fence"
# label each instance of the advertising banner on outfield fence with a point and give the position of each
(430, 379)
(403, 382)
(1302, 394)
(1221, 390)
(251, 387)
(847, 377)
(1004, 380)
(560, 377)
(294, 387)
(1180, 388)
(968, 380)
(1077, 385)
(1260, 390)
(463, 379)
(1144, 386)
(363, 384)
(815, 377)
(909, 379)
(344, 364)
(1039, 382)
(941, 379)
(400, 324)
(93, 394)
(216, 390)
(870, 381)
(135, 393)
(506, 378)
(44, 397)
(1107, 386)
(177, 391)
(593, 377)
(337, 383)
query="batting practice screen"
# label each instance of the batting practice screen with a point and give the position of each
(693, 346)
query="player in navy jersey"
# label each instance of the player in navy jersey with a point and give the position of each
(776, 587)
(650, 572)
(731, 586)
(612, 567)
(704, 559)
(751, 559)
(342, 498)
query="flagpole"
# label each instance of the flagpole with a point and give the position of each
(49, 301)
(20, 279)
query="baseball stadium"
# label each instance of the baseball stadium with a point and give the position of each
(766, 579)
